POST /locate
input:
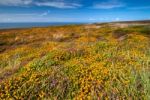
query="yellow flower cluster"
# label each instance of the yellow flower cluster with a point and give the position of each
(93, 66)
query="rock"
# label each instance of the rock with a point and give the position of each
(122, 38)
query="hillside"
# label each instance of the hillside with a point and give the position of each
(81, 62)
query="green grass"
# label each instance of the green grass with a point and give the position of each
(72, 62)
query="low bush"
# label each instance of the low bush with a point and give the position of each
(145, 30)
(120, 32)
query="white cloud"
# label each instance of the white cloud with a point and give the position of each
(19, 14)
(45, 13)
(109, 5)
(117, 19)
(33, 17)
(139, 8)
(92, 19)
(58, 4)
(15, 2)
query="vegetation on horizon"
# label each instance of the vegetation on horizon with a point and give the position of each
(81, 62)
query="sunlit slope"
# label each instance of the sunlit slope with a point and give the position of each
(86, 62)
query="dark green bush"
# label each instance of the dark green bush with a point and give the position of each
(145, 30)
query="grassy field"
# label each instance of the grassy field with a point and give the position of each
(79, 62)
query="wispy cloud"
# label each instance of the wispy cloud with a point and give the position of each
(139, 8)
(45, 13)
(15, 2)
(57, 4)
(31, 18)
(108, 5)
(39, 14)
(49, 3)
(92, 19)
(117, 19)
(19, 14)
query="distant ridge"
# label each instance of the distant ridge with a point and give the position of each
(136, 21)
(128, 22)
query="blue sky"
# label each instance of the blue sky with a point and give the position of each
(73, 10)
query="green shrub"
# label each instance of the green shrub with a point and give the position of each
(145, 30)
